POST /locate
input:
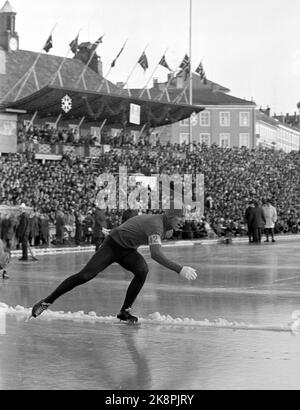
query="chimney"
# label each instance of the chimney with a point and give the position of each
(84, 53)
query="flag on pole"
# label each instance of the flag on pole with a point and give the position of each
(74, 45)
(185, 66)
(164, 63)
(49, 44)
(143, 61)
(201, 72)
(96, 44)
(120, 52)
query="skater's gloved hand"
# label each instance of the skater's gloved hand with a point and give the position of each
(105, 231)
(188, 273)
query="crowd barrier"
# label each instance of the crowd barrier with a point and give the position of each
(60, 149)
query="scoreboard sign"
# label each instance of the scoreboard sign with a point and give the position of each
(135, 114)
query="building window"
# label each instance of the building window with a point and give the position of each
(244, 119)
(184, 138)
(225, 119)
(8, 23)
(225, 140)
(185, 122)
(205, 138)
(245, 140)
(205, 119)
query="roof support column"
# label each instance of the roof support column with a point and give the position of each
(29, 125)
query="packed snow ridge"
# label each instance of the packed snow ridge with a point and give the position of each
(152, 319)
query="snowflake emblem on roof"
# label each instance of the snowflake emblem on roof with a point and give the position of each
(66, 104)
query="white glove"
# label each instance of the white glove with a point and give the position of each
(105, 231)
(188, 273)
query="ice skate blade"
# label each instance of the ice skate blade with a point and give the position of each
(29, 318)
(129, 322)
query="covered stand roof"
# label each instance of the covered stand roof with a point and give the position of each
(98, 106)
(44, 91)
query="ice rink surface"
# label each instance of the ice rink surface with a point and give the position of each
(230, 329)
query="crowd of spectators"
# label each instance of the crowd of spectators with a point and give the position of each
(51, 135)
(65, 190)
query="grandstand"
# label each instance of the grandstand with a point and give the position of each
(63, 90)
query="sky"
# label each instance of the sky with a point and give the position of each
(251, 47)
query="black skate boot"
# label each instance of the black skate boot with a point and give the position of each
(125, 316)
(5, 275)
(39, 308)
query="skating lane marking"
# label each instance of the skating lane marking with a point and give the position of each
(286, 279)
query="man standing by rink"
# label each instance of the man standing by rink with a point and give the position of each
(270, 215)
(248, 220)
(257, 222)
(23, 230)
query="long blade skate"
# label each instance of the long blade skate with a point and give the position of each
(39, 308)
(126, 316)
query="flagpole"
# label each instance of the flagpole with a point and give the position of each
(167, 85)
(191, 73)
(107, 74)
(59, 69)
(32, 67)
(126, 82)
(62, 63)
(154, 71)
(111, 67)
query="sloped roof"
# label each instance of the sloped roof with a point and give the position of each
(19, 62)
(197, 83)
(260, 116)
(206, 96)
(210, 93)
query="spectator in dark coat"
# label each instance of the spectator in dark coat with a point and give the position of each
(78, 227)
(248, 220)
(187, 230)
(23, 232)
(44, 229)
(60, 225)
(257, 222)
(88, 225)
